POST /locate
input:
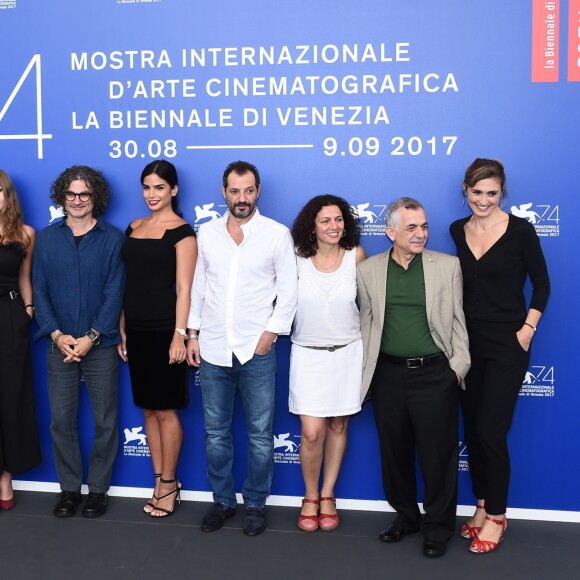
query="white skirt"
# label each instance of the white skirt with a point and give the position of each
(326, 384)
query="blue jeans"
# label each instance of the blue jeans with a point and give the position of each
(256, 383)
(99, 371)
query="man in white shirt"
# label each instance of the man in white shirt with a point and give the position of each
(243, 296)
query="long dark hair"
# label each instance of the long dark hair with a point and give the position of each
(304, 225)
(167, 172)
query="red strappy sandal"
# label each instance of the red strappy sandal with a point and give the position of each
(328, 522)
(484, 546)
(469, 532)
(309, 523)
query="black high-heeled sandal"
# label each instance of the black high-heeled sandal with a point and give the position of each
(176, 491)
(149, 507)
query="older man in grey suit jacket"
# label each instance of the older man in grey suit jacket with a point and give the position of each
(416, 356)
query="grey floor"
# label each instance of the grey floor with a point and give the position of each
(126, 544)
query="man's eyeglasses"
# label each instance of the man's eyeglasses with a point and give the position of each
(84, 196)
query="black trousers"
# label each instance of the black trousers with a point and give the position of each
(498, 368)
(416, 411)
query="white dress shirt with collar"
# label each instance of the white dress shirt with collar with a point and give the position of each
(240, 291)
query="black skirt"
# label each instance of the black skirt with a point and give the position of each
(155, 383)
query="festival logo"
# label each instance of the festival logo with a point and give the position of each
(206, 213)
(539, 382)
(55, 212)
(463, 464)
(135, 444)
(544, 217)
(289, 450)
(372, 218)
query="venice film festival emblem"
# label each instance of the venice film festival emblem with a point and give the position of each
(539, 382)
(371, 218)
(207, 212)
(286, 450)
(135, 444)
(544, 217)
(463, 463)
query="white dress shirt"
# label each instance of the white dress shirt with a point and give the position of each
(240, 291)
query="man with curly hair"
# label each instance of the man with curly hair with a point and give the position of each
(78, 283)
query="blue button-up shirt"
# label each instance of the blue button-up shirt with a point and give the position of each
(78, 288)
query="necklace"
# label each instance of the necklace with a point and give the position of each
(482, 231)
(327, 268)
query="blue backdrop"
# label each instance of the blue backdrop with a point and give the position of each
(369, 100)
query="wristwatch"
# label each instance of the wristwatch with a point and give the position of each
(180, 331)
(94, 336)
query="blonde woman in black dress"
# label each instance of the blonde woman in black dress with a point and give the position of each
(159, 254)
(19, 446)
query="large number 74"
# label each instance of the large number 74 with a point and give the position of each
(39, 135)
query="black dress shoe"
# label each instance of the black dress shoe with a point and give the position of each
(67, 504)
(254, 521)
(394, 534)
(215, 518)
(96, 505)
(434, 549)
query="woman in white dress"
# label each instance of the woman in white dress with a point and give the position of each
(327, 355)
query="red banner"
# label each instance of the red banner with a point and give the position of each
(574, 41)
(545, 40)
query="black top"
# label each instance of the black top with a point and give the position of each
(11, 256)
(150, 291)
(493, 285)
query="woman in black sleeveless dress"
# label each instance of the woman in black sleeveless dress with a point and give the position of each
(159, 254)
(19, 446)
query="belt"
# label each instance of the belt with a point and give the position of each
(327, 348)
(412, 363)
(12, 294)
